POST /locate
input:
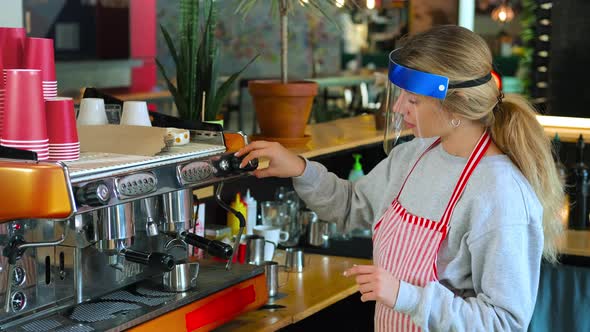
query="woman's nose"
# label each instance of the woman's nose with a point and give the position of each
(398, 106)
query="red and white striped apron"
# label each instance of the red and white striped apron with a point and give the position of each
(407, 245)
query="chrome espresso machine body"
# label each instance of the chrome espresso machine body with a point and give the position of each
(130, 222)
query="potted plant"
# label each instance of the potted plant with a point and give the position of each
(196, 94)
(282, 106)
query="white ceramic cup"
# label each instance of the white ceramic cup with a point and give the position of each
(273, 234)
(92, 112)
(135, 113)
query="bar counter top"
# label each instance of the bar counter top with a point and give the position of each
(320, 285)
(575, 243)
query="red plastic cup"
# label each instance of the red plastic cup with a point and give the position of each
(61, 120)
(12, 42)
(65, 145)
(64, 150)
(39, 54)
(24, 109)
(11, 141)
(24, 146)
(1, 69)
(75, 148)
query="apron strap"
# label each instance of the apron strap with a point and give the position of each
(474, 159)
(416, 163)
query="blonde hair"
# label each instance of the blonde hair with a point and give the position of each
(461, 55)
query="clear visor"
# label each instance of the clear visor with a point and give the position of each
(413, 104)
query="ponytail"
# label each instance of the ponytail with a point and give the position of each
(517, 132)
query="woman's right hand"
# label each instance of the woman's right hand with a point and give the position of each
(282, 162)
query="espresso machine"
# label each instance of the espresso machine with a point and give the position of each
(85, 243)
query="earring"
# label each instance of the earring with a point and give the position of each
(455, 122)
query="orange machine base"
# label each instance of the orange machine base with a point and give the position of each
(212, 311)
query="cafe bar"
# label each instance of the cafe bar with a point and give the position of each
(294, 165)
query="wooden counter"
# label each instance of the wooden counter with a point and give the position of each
(341, 134)
(575, 243)
(348, 133)
(320, 285)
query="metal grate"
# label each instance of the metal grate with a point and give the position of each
(126, 296)
(153, 293)
(76, 328)
(93, 165)
(41, 325)
(95, 312)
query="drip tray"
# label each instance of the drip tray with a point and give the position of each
(127, 296)
(98, 311)
(50, 324)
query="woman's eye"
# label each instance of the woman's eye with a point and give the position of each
(413, 101)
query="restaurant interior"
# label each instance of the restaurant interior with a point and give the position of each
(124, 207)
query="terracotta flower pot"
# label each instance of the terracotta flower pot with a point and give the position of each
(282, 110)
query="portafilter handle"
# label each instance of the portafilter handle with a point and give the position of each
(212, 247)
(158, 260)
(229, 164)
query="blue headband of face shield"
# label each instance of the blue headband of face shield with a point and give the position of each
(426, 84)
(418, 82)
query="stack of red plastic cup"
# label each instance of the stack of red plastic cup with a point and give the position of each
(39, 55)
(61, 129)
(11, 54)
(24, 125)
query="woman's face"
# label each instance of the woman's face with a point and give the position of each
(424, 115)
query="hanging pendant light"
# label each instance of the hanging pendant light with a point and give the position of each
(503, 13)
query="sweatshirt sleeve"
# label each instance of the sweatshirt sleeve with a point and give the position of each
(505, 271)
(351, 204)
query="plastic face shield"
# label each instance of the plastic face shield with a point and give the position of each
(414, 101)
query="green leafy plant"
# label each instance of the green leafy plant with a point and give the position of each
(527, 21)
(283, 8)
(196, 63)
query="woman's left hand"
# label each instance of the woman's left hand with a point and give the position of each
(375, 284)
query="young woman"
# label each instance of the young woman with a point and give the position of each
(462, 214)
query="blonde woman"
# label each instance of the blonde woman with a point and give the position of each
(462, 214)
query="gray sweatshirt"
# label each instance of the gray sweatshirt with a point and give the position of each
(489, 263)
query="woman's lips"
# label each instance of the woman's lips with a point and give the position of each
(408, 125)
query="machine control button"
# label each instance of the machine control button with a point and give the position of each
(136, 184)
(19, 276)
(18, 301)
(194, 172)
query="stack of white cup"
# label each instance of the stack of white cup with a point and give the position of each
(92, 112)
(135, 113)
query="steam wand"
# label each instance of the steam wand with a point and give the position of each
(238, 215)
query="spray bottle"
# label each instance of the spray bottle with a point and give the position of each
(357, 169)
(251, 217)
